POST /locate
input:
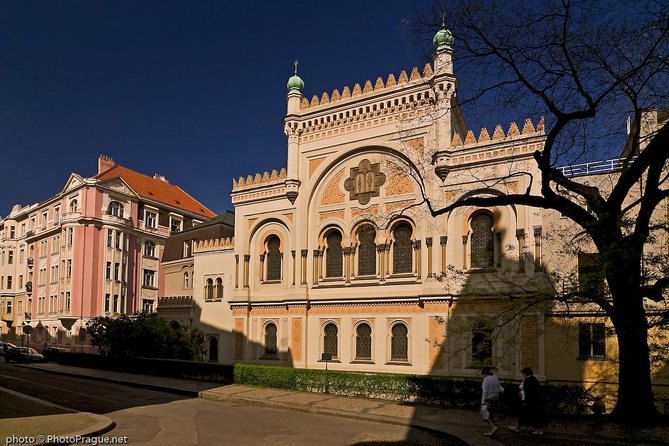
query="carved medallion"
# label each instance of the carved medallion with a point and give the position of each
(365, 181)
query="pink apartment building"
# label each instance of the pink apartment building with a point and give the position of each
(93, 249)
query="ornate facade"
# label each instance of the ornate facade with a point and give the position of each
(337, 253)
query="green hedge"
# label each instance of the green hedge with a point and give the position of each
(443, 391)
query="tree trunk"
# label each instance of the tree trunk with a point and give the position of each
(635, 393)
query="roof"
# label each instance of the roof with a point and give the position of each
(219, 227)
(157, 190)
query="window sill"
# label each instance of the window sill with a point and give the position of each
(362, 361)
(269, 358)
(151, 257)
(332, 361)
(213, 300)
(397, 362)
(492, 269)
(149, 287)
(591, 358)
(403, 276)
(270, 282)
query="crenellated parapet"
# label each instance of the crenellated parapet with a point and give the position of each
(499, 135)
(214, 244)
(175, 301)
(368, 87)
(258, 179)
(514, 143)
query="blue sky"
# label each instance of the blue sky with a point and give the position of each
(192, 90)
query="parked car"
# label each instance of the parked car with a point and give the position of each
(4, 346)
(51, 353)
(23, 354)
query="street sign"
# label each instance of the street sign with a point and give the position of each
(326, 357)
(27, 329)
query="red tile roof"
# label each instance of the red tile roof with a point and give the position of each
(156, 190)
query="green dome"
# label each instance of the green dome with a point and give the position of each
(295, 84)
(443, 40)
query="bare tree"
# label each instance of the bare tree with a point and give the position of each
(586, 65)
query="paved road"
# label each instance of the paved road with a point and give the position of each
(150, 417)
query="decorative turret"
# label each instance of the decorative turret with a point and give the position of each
(295, 87)
(295, 83)
(443, 50)
(443, 40)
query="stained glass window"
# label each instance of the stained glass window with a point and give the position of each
(213, 349)
(399, 343)
(333, 255)
(481, 343)
(330, 339)
(219, 288)
(270, 339)
(402, 249)
(366, 251)
(273, 258)
(482, 244)
(363, 342)
(210, 289)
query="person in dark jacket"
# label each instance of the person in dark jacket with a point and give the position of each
(530, 417)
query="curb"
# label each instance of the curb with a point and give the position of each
(102, 424)
(464, 434)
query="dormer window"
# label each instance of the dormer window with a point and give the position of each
(115, 209)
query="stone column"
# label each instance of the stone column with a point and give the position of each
(428, 243)
(520, 235)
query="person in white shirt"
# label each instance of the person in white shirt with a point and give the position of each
(489, 397)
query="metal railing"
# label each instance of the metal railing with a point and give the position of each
(593, 168)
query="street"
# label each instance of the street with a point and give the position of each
(151, 418)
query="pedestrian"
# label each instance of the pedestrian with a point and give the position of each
(530, 416)
(490, 398)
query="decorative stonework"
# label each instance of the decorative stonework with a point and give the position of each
(416, 144)
(398, 206)
(322, 216)
(333, 194)
(399, 184)
(365, 181)
(257, 179)
(357, 212)
(313, 165)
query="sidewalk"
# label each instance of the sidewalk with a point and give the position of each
(463, 424)
(53, 420)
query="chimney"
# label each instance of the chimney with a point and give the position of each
(105, 162)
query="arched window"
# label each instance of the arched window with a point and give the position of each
(402, 249)
(213, 349)
(367, 251)
(149, 249)
(219, 288)
(333, 255)
(482, 243)
(481, 343)
(74, 205)
(399, 343)
(363, 342)
(115, 208)
(273, 258)
(186, 280)
(270, 339)
(330, 341)
(209, 290)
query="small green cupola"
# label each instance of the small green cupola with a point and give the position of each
(295, 83)
(443, 40)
